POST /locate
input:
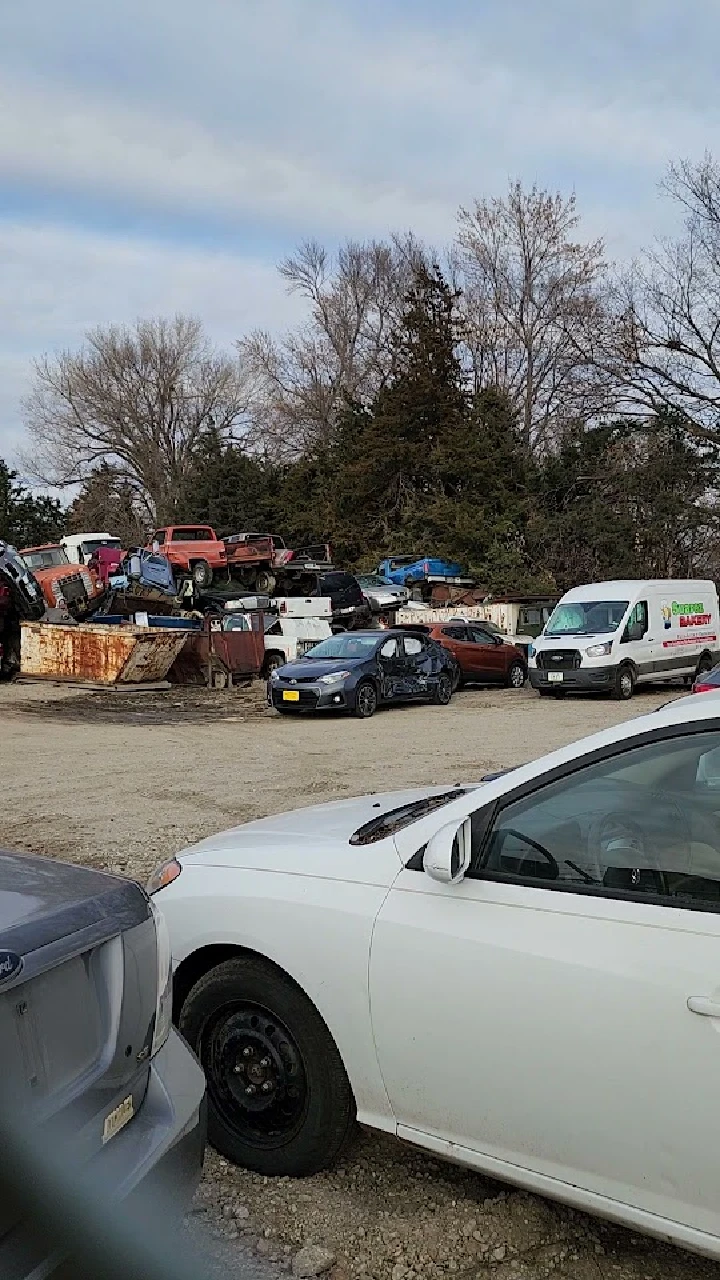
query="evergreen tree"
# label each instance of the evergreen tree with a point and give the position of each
(26, 519)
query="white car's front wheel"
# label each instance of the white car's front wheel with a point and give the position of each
(279, 1098)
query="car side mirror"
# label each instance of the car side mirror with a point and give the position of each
(447, 853)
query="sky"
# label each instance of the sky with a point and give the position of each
(163, 155)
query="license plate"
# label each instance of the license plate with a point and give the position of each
(555, 677)
(118, 1118)
(290, 695)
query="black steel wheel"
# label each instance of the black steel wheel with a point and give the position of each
(366, 700)
(279, 1100)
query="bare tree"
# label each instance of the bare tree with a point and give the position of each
(534, 305)
(137, 399)
(667, 305)
(296, 385)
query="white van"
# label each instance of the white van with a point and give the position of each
(613, 635)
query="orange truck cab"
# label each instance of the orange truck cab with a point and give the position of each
(63, 584)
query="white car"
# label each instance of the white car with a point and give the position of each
(521, 975)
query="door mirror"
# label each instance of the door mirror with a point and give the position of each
(448, 852)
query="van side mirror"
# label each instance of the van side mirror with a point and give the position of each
(448, 853)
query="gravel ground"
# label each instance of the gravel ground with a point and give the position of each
(122, 781)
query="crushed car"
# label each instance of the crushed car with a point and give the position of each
(21, 600)
(358, 671)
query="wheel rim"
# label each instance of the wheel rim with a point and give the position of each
(367, 700)
(517, 677)
(626, 684)
(256, 1075)
(444, 689)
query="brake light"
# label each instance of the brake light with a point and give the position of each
(704, 688)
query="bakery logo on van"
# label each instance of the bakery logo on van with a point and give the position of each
(690, 615)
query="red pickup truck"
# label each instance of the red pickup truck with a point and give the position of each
(193, 550)
(255, 559)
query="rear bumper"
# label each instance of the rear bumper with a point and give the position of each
(161, 1150)
(581, 678)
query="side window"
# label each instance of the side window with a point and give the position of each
(159, 536)
(455, 633)
(413, 646)
(479, 636)
(390, 648)
(637, 623)
(645, 822)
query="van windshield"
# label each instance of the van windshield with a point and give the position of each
(586, 618)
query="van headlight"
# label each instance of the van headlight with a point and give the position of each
(531, 651)
(163, 1007)
(599, 650)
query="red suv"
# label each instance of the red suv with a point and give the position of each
(482, 655)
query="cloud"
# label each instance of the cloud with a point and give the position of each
(164, 156)
(58, 282)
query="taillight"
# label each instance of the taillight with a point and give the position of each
(704, 688)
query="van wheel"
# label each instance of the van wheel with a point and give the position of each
(265, 582)
(624, 684)
(704, 665)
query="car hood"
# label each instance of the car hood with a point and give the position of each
(304, 669)
(314, 841)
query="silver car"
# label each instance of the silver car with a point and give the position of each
(89, 1054)
(382, 596)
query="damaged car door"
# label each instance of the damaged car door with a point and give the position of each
(391, 669)
(418, 666)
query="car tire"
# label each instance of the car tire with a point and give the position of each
(366, 700)
(272, 662)
(516, 676)
(265, 582)
(443, 691)
(246, 1011)
(202, 574)
(624, 684)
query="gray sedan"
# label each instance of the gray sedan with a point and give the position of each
(382, 596)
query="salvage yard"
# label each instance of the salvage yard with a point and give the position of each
(123, 780)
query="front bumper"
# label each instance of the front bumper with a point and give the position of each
(580, 678)
(311, 697)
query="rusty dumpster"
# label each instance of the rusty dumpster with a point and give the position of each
(233, 645)
(96, 653)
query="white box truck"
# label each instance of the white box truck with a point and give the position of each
(611, 636)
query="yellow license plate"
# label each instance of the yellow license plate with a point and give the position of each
(118, 1119)
(291, 695)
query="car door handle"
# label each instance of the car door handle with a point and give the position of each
(704, 1006)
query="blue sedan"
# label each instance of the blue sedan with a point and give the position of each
(356, 671)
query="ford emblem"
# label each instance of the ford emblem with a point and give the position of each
(10, 965)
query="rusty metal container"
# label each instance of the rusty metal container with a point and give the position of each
(214, 656)
(98, 654)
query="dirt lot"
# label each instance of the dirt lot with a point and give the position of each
(123, 781)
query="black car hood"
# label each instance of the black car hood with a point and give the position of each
(305, 669)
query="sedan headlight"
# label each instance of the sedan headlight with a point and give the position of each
(274, 674)
(334, 677)
(599, 650)
(163, 1007)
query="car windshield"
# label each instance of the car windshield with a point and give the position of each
(89, 548)
(50, 558)
(386, 823)
(347, 645)
(371, 580)
(586, 618)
